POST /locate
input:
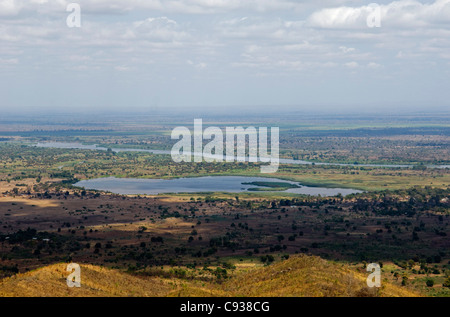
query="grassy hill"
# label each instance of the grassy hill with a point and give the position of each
(308, 276)
(95, 281)
(297, 276)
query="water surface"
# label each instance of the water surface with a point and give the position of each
(230, 184)
(67, 145)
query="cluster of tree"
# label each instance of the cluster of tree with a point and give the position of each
(224, 241)
(394, 203)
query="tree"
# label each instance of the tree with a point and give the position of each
(404, 280)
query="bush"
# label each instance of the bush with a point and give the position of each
(430, 282)
(157, 239)
(446, 282)
(267, 258)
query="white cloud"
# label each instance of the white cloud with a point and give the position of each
(122, 68)
(403, 13)
(9, 61)
(351, 64)
(10, 7)
(342, 17)
(201, 65)
(160, 28)
(373, 65)
(197, 65)
(346, 49)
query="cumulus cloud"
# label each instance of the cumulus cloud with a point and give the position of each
(352, 64)
(342, 17)
(346, 49)
(9, 61)
(9, 8)
(159, 28)
(373, 65)
(403, 13)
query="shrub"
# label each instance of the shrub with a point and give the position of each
(446, 282)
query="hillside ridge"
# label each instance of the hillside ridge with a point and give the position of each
(298, 276)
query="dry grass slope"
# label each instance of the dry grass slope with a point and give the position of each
(308, 276)
(95, 281)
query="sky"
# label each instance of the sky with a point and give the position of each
(225, 54)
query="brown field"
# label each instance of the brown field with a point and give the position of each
(124, 226)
